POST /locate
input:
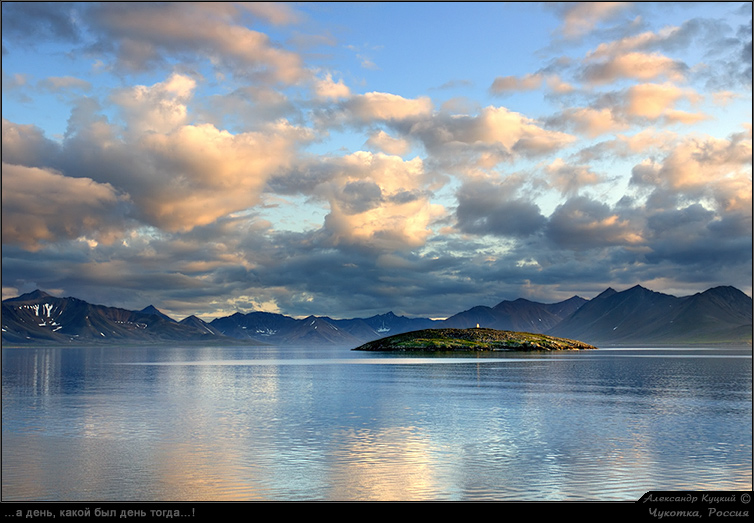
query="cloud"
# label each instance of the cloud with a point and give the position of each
(589, 121)
(386, 143)
(634, 65)
(530, 82)
(27, 145)
(178, 188)
(327, 89)
(582, 223)
(655, 100)
(144, 34)
(177, 175)
(376, 201)
(568, 179)
(57, 83)
(198, 173)
(486, 207)
(509, 131)
(274, 12)
(388, 107)
(159, 108)
(30, 21)
(580, 18)
(44, 206)
(247, 108)
(703, 166)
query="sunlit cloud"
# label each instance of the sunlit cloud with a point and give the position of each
(42, 206)
(214, 157)
(582, 17)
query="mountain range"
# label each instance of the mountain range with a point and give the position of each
(636, 316)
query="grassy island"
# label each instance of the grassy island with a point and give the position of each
(442, 340)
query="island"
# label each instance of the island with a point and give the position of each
(471, 340)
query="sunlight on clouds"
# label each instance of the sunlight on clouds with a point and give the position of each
(143, 32)
(387, 106)
(39, 205)
(379, 202)
(655, 100)
(160, 108)
(639, 66)
(326, 88)
(209, 173)
(568, 179)
(581, 17)
(213, 149)
(386, 143)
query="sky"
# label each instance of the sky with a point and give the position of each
(350, 159)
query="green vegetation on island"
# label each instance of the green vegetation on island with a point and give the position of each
(442, 340)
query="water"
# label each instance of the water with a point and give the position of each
(172, 424)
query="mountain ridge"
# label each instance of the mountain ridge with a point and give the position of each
(639, 316)
(636, 315)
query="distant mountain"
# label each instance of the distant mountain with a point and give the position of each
(722, 315)
(518, 315)
(640, 316)
(39, 317)
(151, 309)
(258, 326)
(279, 329)
(201, 325)
(382, 325)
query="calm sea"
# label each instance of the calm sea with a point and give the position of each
(171, 424)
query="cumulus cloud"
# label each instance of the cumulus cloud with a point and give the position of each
(275, 12)
(700, 166)
(589, 121)
(530, 82)
(144, 34)
(486, 207)
(569, 179)
(29, 21)
(655, 100)
(27, 145)
(494, 126)
(326, 88)
(386, 143)
(177, 175)
(581, 17)
(41, 206)
(376, 201)
(634, 65)
(200, 173)
(57, 83)
(182, 186)
(158, 108)
(582, 223)
(388, 107)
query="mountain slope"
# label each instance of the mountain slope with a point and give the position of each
(518, 315)
(39, 317)
(641, 316)
(638, 316)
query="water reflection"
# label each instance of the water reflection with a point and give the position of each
(223, 424)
